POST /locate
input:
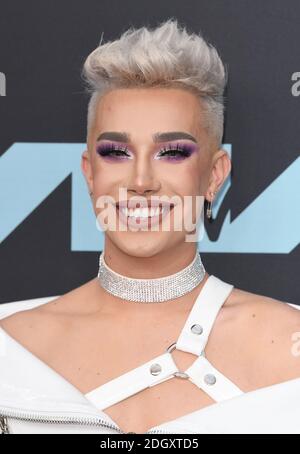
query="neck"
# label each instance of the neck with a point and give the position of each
(154, 266)
(128, 284)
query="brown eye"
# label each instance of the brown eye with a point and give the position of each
(112, 150)
(173, 153)
(176, 152)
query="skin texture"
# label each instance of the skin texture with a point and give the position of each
(90, 336)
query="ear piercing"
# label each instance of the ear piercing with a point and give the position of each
(209, 209)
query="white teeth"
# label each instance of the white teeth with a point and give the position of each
(142, 212)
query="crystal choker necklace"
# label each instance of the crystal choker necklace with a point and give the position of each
(151, 290)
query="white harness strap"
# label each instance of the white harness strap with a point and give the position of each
(192, 339)
(211, 380)
(149, 374)
(194, 336)
(197, 328)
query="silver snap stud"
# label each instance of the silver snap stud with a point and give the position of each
(210, 379)
(197, 329)
(155, 369)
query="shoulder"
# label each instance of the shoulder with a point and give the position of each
(47, 320)
(266, 313)
(270, 330)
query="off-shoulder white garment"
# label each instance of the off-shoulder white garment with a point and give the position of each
(34, 398)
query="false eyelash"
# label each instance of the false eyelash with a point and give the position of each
(180, 148)
(106, 149)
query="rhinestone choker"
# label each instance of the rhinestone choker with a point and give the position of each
(154, 290)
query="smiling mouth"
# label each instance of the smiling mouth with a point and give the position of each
(144, 215)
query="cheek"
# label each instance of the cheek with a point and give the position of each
(189, 180)
(107, 177)
(199, 175)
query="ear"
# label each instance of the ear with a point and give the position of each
(86, 168)
(221, 168)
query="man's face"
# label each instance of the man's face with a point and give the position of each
(126, 150)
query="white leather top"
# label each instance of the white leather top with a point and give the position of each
(40, 388)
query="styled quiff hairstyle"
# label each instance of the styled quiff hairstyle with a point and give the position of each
(165, 56)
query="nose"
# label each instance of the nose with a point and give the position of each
(142, 178)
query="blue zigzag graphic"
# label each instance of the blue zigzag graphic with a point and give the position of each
(270, 224)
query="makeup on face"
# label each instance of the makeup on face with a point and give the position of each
(117, 149)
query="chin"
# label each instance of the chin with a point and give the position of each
(142, 249)
(137, 245)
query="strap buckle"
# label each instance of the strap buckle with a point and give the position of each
(172, 347)
(178, 373)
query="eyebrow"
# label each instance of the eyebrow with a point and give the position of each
(157, 137)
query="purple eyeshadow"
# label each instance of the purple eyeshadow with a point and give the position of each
(177, 152)
(112, 151)
(171, 152)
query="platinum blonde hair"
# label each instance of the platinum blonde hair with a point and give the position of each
(166, 56)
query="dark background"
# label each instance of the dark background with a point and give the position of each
(43, 45)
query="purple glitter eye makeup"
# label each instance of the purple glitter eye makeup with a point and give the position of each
(171, 152)
(113, 151)
(177, 152)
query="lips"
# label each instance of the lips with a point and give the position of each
(145, 212)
